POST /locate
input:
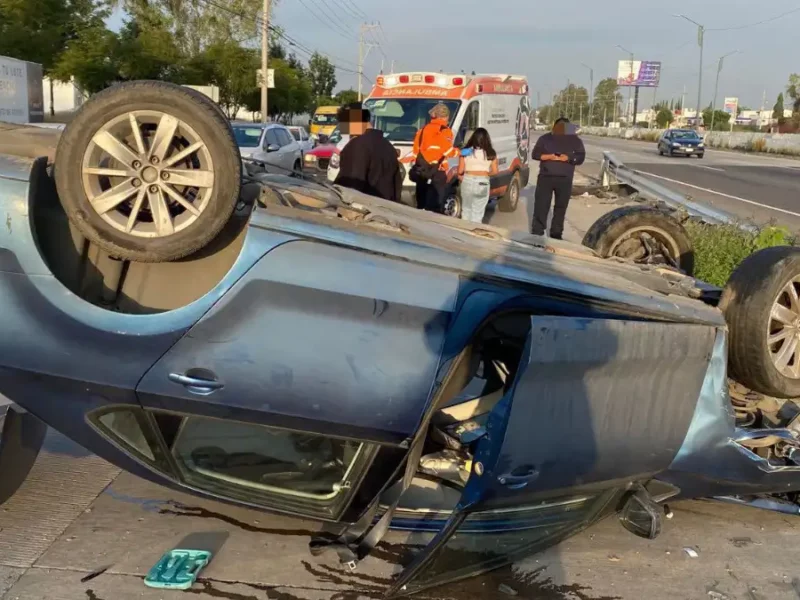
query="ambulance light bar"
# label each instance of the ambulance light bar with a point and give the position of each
(421, 78)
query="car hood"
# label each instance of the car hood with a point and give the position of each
(340, 216)
(688, 142)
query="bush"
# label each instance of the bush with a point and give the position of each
(718, 249)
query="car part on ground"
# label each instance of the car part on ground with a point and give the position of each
(762, 309)
(159, 171)
(644, 235)
(21, 437)
(509, 201)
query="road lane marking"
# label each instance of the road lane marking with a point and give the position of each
(702, 189)
(710, 168)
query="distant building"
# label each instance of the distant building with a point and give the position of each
(62, 98)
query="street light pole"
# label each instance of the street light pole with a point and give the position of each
(591, 92)
(716, 87)
(701, 30)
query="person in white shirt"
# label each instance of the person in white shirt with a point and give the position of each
(476, 165)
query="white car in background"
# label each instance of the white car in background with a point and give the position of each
(302, 138)
(271, 144)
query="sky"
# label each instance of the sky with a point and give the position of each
(548, 41)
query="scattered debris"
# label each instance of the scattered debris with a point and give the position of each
(613, 558)
(691, 552)
(668, 511)
(96, 573)
(718, 595)
(743, 542)
(507, 590)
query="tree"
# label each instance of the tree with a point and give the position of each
(572, 102)
(664, 117)
(720, 117)
(793, 90)
(90, 59)
(292, 92)
(777, 110)
(233, 73)
(147, 49)
(606, 101)
(322, 76)
(346, 97)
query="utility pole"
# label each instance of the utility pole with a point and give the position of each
(701, 30)
(362, 56)
(763, 103)
(716, 88)
(264, 60)
(591, 91)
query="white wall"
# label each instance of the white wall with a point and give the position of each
(67, 97)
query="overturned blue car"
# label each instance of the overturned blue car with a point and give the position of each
(305, 349)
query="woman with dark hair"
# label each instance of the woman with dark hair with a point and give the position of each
(478, 162)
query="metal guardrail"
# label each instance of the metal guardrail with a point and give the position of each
(614, 171)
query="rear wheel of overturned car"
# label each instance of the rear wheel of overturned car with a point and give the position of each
(509, 201)
(644, 235)
(149, 171)
(761, 305)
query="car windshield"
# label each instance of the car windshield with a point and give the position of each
(335, 137)
(295, 133)
(320, 119)
(247, 137)
(684, 135)
(401, 118)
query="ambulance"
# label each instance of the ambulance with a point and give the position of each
(400, 103)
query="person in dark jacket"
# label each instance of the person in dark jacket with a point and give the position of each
(368, 163)
(558, 153)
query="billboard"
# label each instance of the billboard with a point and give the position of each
(21, 97)
(731, 106)
(638, 73)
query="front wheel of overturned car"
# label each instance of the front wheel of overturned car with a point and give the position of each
(149, 171)
(510, 200)
(762, 307)
(644, 235)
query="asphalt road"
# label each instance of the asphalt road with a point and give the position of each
(753, 187)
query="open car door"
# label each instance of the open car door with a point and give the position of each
(597, 406)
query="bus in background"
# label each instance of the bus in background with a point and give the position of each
(324, 121)
(400, 103)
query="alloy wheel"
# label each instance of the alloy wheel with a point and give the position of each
(148, 174)
(783, 331)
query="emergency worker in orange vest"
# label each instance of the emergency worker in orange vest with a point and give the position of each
(433, 145)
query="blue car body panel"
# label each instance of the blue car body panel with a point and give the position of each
(350, 327)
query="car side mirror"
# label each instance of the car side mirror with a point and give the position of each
(641, 515)
(273, 148)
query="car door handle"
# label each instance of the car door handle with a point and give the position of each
(196, 385)
(517, 482)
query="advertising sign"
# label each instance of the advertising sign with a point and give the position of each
(638, 73)
(21, 98)
(270, 78)
(731, 106)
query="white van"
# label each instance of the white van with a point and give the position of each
(400, 103)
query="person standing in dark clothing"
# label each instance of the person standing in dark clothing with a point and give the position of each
(368, 163)
(558, 153)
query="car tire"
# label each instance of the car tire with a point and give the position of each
(452, 203)
(297, 169)
(760, 289)
(153, 217)
(701, 155)
(510, 200)
(619, 233)
(660, 151)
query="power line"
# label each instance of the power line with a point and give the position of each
(359, 14)
(323, 21)
(334, 22)
(259, 24)
(765, 21)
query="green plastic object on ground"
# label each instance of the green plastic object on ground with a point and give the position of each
(178, 569)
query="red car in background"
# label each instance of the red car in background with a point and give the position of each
(316, 160)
